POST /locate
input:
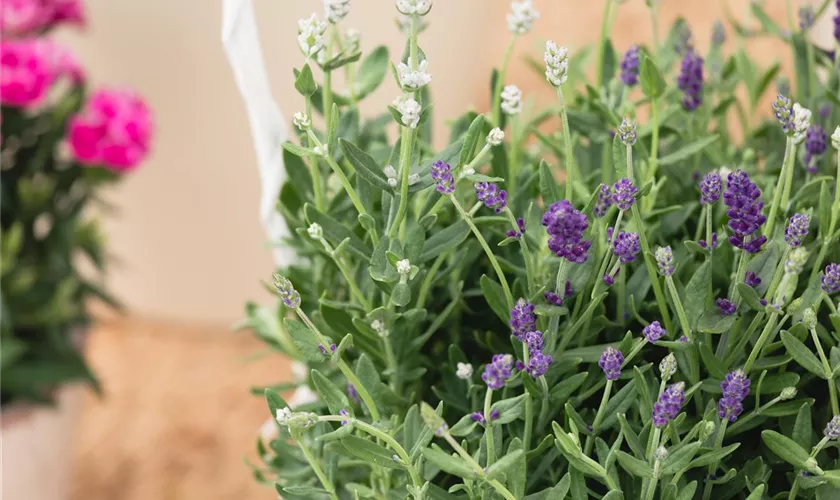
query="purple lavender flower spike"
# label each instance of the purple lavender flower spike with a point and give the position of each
(534, 341)
(683, 339)
(520, 224)
(665, 260)
(667, 407)
(630, 66)
(743, 198)
(442, 175)
(690, 80)
(539, 364)
(751, 279)
(736, 387)
(498, 371)
(286, 291)
(477, 416)
(553, 299)
(830, 280)
(703, 243)
(726, 306)
(494, 414)
(624, 194)
(565, 227)
(797, 229)
(816, 142)
(710, 188)
(610, 232)
(836, 20)
(718, 33)
(806, 17)
(611, 361)
(832, 429)
(653, 332)
(352, 393)
(522, 319)
(783, 109)
(609, 279)
(603, 202)
(626, 247)
(491, 195)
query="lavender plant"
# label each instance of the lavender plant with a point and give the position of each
(621, 308)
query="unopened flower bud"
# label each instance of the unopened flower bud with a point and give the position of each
(409, 110)
(801, 123)
(627, 131)
(413, 179)
(414, 79)
(432, 420)
(316, 232)
(301, 120)
(707, 430)
(556, 63)
(835, 139)
(796, 260)
(403, 267)
(321, 150)
(336, 10)
(464, 371)
(410, 7)
(668, 366)
(495, 137)
(511, 100)
(311, 35)
(521, 17)
(391, 175)
(809, 318)
(661, 454)
(787, 393)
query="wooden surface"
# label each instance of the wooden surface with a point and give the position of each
(177, 418)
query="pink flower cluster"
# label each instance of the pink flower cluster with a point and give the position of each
(113, 130)
(29, 67)
(30, 17)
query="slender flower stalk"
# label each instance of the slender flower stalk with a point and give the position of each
(316, 466)
(828, 237)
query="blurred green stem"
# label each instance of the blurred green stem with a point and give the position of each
(500, 82)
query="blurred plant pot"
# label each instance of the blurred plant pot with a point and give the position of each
(38, 444)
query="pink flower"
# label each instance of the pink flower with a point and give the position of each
(113, 130)
(67, 64)
(26, 72)
(28, 17)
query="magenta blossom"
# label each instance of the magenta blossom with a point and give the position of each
(27, 72)
(113, 130)
(29, 17)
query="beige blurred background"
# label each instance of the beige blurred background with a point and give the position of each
(177, 417)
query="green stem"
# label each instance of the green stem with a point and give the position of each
(488, 428)
(529, 420)
(654, 21)
(675, 297)
(314, 168)
(390, 441)
(812, 74)
(740, 273)
(832, 387)
(654, 480)
(500, 82)
(405, 159)
(316, 467)
(835, 213)
(345, 182)
(599, 415)
(560, 290)
(605, 28)
(709, 222)
(571, 176)
(570, 333)
(493, 261)
(605, 262)
(430, 276)
(787, 164)
(653, 161)
(327, 96)
(526, 253)
(499, 487)
(777, 275)
(651, 269)
(707, 490)
(762, 339)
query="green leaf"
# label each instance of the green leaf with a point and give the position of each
(750, 296)
(711, 362)
(653, 85)
(332, 395)
(630, 436)
(448, 463)
(802, 428)
(275, 402)
(687, 493)
(370, 452)
(304, 82)
(369, 377)
(566, 387)
(509, 409)
(619, 403)
(401, 295)
(365, 166)
(372, 71)
(824, 213)
(679, 459)
(495, 296)
(304, 339)
(787, 449)
(633, 465)
(619, 155)
(803, 355)
(504, 464)
(713, 456)
(443, 241)
(712, 321)
(464, 426)
(548, 185)
(332, 133)
(471, 140)
(341, 60)
(688, 150)
(297, 150)
(301, 492)
(694, 297)
(645, 403)
(335, 232)
(517, 474)
(758, 492)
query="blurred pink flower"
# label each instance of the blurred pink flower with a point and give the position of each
(27, 71)
(67, 64)
(113, 130)
(29, 17)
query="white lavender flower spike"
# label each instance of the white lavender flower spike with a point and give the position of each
(352, 40)
(556, 63)
(336, 10)
(409, 110)
(403, 267)
(464, 371)
(511, 100)
(301, 121)
(412, 7)
(835, 139)
(311, 35)
(413, 80)
(495, 137)
(801, 122)
(315, 231)
(521, 17)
